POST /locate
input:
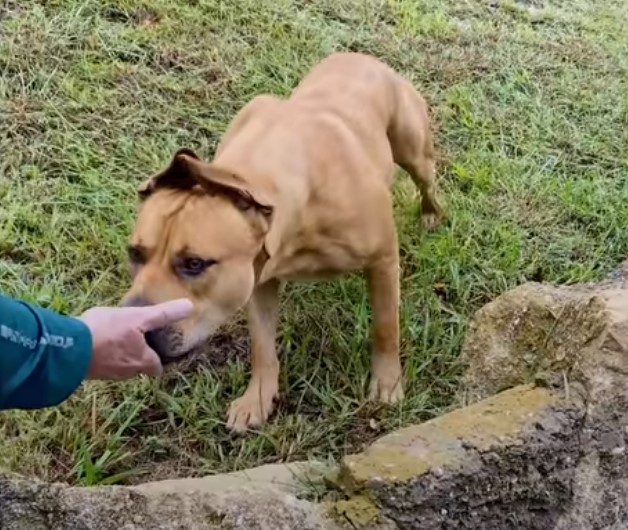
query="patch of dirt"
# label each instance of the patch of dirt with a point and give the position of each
(140, 54)
(16, 255)
(140, 16)
(531, 3)
(8, 8)
(223, 348)
(215, 80)
(620, 274)
(365, 428)
(171, 60)
(450, 65)
(493, 5)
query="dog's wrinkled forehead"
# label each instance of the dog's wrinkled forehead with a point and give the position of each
(157, 215)
(196, 223)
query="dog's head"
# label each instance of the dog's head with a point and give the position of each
(200, 235)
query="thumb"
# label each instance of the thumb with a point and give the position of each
(160, 315)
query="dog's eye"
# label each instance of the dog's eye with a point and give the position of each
(195, 266)
(136, 255)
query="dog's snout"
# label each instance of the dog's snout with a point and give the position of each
(155, 340)
(166, 343)
(135, 301)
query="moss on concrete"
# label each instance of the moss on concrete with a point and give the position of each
(497, 420)
(449, 442)
(359, 511)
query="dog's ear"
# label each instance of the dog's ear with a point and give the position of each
(187, 170)
(176, 175)
(216, 180)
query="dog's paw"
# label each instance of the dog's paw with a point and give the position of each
(386, 390)
(429, 221)
(253, 408)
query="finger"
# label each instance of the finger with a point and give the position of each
(151, 364)
(160, 315)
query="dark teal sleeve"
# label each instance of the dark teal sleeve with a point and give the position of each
(44, 356)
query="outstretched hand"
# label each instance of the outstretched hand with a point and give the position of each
(119, 349)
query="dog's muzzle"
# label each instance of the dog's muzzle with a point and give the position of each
(162, 340)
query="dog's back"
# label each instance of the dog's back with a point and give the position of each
(356, 86)
(348, 102)
(357, 104)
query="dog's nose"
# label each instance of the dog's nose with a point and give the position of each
(155, 338)
(134, 301)
(158, 342)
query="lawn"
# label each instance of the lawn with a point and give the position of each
(530, 106)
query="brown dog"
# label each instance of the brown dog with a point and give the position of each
(298, 189)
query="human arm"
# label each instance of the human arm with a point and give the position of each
(45, 356)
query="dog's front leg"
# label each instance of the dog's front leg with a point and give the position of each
(386, 378)
(254, 407)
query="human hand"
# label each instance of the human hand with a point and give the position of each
(119, 349)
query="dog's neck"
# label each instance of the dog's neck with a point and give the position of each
(281, 181)
(259, 263)
(286, 206)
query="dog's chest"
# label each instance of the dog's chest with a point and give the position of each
(320, 259)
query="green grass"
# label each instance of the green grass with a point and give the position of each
(531, 111)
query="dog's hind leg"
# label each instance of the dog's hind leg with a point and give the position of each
(422, 172)
(413, 149)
